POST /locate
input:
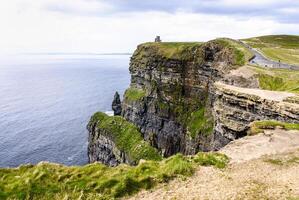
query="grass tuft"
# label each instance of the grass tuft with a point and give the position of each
(283, 161)
(211, 159)
(259, 126)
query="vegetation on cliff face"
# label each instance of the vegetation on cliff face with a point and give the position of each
(241, 54)
(259, 126)
(97, 181)
(126, 137)
(134, 94)
(277, 47)
(278, 79)
(191, 113)
(200, 123)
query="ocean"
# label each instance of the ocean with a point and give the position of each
(46, 102)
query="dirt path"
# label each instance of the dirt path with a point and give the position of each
(268, 143)
(252, 173)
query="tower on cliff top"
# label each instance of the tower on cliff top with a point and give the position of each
(158, 39)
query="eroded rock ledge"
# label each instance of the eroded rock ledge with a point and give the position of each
(235, 108)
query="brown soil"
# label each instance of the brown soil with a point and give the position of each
(265, 166)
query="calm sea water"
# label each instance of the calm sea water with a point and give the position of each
(46, 102)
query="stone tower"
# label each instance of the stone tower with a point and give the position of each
(158, 39)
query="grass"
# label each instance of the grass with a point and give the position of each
(126, 136)
(284, 161)
(173, 50)
(134, 94)
(259, 126)
(278, 79)
(242, 54)
(96, 181)
(293, 198)
(294, 99)
(200, 123)
(274, 161)
(185, 51)
(277, 47)
(290, 56)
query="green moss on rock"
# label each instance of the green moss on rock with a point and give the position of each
(134, 94)
(259, 126)
(126, 136)
(200, 123)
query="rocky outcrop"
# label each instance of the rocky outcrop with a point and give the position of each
(244, 77)
(235, 108)
(116, 104)
(103, 149)
(113, 140)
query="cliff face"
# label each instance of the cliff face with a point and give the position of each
(235, 108)
(113, 140)
(174, 86)
(185, 97)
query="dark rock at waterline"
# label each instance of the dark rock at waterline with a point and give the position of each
(116, 104)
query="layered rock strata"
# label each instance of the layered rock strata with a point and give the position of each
(180, 101)
(175, 112)
(235, 108)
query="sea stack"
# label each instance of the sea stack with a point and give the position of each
(116, 104)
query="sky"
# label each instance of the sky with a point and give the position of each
(107, 26)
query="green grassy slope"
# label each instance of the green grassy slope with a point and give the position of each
(277, 47)
(96, 181)
(126, 137)
(278, 79)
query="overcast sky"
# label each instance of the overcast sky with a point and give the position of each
(97, 26)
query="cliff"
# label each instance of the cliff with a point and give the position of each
(112, 141)
(187, 97)
(171, 92)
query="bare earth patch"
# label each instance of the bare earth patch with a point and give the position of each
(244, 71)
(255, 172)
(270, 142)
(265, 94)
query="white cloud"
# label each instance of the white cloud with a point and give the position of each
(78, 6)
(30, 26)
(248, 3)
